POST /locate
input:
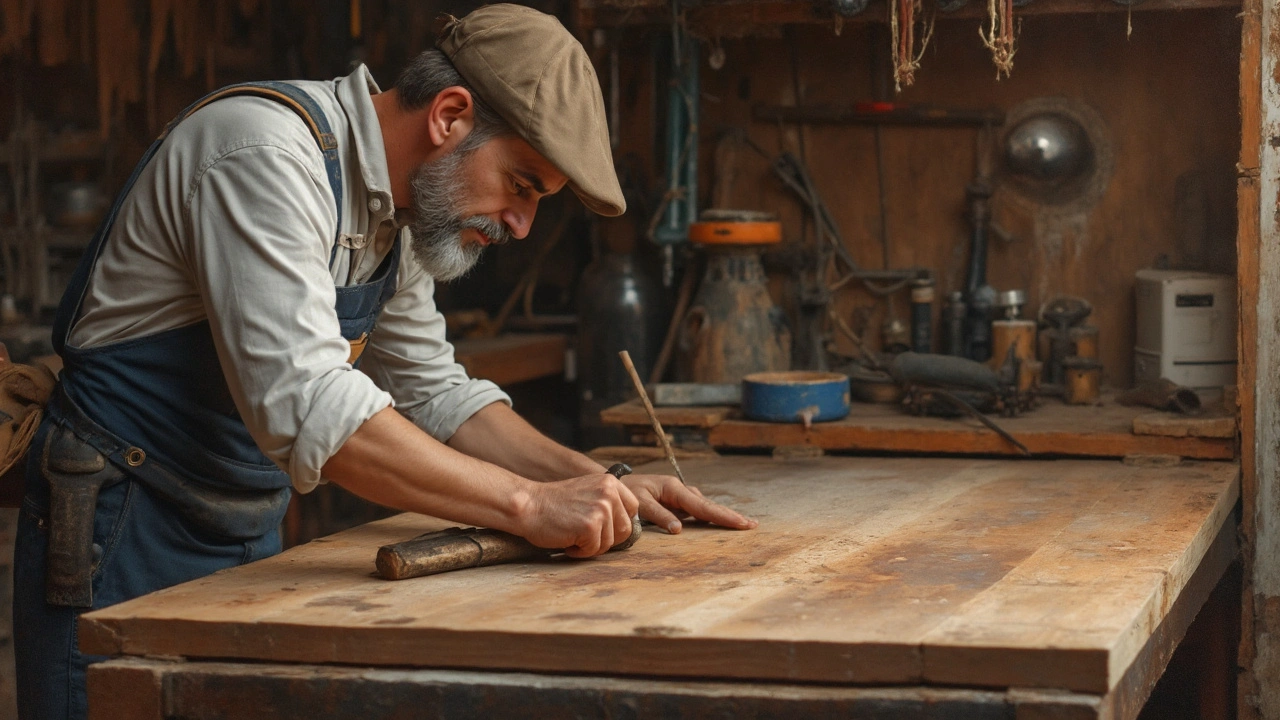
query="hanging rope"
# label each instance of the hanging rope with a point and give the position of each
(999, 38)
(902, 25)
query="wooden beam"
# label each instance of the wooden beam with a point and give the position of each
(206, 690)
(1105, 430)
(729, 18)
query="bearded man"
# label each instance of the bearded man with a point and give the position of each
(277, 235)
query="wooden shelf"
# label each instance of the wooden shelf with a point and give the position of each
(744, 17)
(509, 359)
(1054, 429)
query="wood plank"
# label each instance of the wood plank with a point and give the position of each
(513, 358)
(1104, 430)
(209, 691)
(1220, 425)
(631, 413)
(1254, 631)
(862, 570)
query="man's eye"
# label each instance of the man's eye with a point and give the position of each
(520, 190)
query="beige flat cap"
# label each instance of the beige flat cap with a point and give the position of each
(538, 77)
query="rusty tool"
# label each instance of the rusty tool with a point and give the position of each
(458, 548)
(653, 416)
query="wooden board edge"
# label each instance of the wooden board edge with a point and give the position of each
(672, 657)
(1214, 548)
(191, 689)
(98, 636)
(738, 434)
(1130, 693)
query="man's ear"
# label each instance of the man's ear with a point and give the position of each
(450, 117)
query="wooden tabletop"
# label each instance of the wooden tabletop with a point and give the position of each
(984, 573)
(1056, 429)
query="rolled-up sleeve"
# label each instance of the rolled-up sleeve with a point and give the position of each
(409, 356)
(262, 219)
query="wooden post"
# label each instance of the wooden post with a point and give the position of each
(1257, 365)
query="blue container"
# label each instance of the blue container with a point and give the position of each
(789, 396)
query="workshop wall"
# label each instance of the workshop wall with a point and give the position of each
(1167, 95)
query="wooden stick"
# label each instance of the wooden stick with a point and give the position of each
(653, 416)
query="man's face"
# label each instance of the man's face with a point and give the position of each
(474, 197)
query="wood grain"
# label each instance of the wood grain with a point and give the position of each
(204, 691)
(1220, 425)
(905, 571)
(509, 359)
(1104, 430)
(1248, 250)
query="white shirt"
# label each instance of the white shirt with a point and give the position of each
(233, 221)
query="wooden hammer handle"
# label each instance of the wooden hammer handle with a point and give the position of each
(459, 548)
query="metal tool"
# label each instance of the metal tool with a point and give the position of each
(653, 416)
(76, 472)
(1162, 394)
(1061, 314)
(950, 386)
(458, 548)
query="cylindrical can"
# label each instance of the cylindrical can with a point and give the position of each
(922, 316)
(1018, 334)
(1085, 340)
(1082, 380)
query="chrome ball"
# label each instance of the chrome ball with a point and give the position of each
(1048, 148)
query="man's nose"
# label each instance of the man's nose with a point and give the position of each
(519, 218)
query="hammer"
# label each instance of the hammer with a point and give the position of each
(457, 548)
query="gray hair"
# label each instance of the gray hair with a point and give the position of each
(429, 73)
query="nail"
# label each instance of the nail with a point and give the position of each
(673, 527)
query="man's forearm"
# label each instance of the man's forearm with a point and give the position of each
(392, 462)
(496, 434)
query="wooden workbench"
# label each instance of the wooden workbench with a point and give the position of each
(911, 588)
(1053, 429)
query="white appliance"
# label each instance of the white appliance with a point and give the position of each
(1186, 328)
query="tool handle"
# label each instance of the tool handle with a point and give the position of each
(454, 549)
(653, 416)
(460, 548)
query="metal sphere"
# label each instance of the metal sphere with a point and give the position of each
(1049, 148)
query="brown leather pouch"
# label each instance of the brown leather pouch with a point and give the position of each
(24, 392)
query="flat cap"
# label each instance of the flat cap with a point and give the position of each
(535, 74)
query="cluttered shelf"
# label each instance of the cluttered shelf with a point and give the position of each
(1104, 429)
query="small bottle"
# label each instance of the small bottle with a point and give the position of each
(922, 316)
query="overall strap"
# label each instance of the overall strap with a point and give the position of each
(287, 94)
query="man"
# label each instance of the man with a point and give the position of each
(209, 336)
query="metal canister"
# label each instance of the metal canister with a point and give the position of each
(733, 328)
(922, 316)
(620, 307)
(1082, 378)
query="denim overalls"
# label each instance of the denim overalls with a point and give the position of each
(149, 424)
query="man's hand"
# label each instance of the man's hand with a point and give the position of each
(585, 515)
(665, 501)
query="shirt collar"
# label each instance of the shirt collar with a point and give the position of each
(355, 93)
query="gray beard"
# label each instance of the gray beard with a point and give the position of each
(437, 225)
